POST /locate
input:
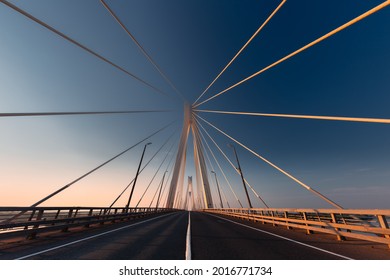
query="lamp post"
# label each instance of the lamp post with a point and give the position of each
(242, 176)
(136, 177)
(219, 193)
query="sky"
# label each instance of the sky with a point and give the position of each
(191, 41)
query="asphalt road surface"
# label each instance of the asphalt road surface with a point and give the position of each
(212, 238)
(217, 238)
(221, 238)
(158, 238)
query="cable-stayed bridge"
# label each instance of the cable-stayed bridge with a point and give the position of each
(180, 215)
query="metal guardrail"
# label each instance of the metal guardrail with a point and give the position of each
(29, 221)
(369, 225)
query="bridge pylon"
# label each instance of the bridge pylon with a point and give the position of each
(203, 186)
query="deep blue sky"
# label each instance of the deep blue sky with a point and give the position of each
(346, 75)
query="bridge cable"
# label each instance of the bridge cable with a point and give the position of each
(330, 118)
(240, 51)
(331, 33)
(223, 173)
(143, 50)
(353, 216)
(159, 188)
(180, 201)
(78, 113)
(142, 169)
(207, 154)
(178, 193)
(275, 166)
(228, 160)
(168, 180)
(213, 191)
(126, 188)
(155, 193)
(178, 197)
(158, 169)
(164, 195)
(224, 196)
(85, 175)
(19, 10)
(101, 165)
(211, 166)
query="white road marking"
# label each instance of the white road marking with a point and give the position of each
(88, 238)
(188, 239)
(285, 238)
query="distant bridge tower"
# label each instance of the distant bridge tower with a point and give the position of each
(189, 203)
(203, 186)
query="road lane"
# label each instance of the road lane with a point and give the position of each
(159, 238)
(214, 237)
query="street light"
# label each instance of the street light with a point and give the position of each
(136, 177)
(242, 176)
(219, 193)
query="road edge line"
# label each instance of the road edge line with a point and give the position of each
(90, 237)
(285, 238)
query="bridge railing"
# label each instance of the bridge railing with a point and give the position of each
(29, 221)
(370, 225)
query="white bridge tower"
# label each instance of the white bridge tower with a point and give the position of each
(202, 181)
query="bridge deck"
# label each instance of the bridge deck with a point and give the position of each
(212, 237)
